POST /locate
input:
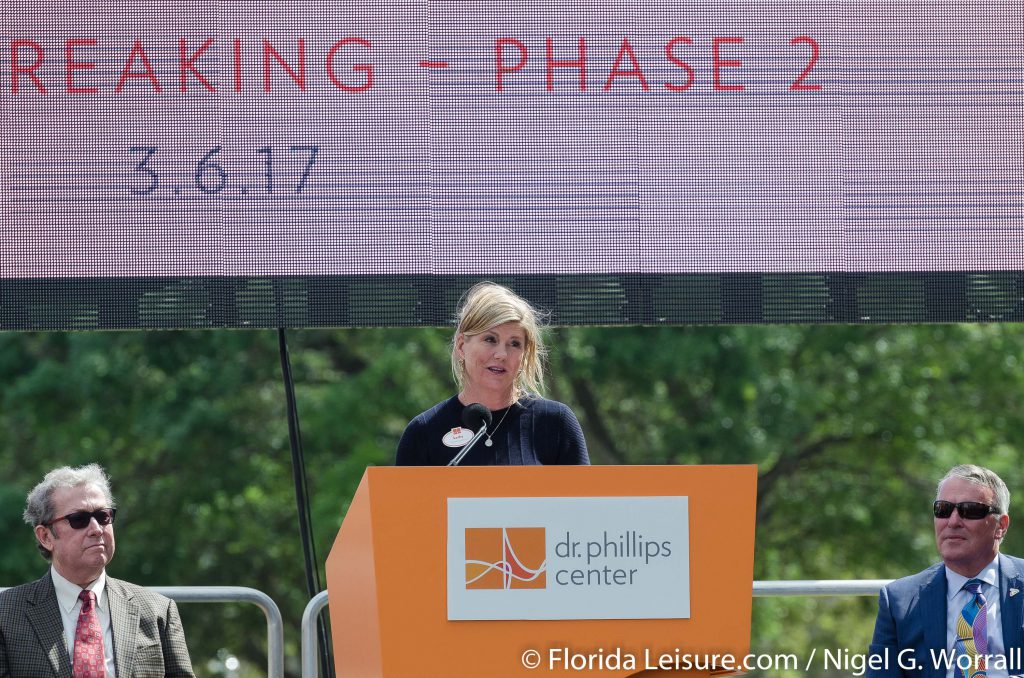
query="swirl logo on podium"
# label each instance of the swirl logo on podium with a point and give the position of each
(506, 558)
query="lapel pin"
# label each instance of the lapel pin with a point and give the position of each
(1014, 592)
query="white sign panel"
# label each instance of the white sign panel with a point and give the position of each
(568, 558)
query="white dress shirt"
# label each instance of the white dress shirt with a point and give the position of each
(70, 607)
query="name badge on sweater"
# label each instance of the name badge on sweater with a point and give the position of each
(457, 437)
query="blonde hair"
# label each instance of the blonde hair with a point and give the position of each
(487, 305)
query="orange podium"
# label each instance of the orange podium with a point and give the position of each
(537, 571)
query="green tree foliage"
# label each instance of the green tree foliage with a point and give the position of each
(850, 428)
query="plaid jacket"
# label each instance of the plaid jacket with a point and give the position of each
(148, 637)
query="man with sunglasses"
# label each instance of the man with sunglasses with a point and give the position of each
(962, 617)
(78, 622)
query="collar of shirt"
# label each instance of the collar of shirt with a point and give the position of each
(67, 593)
(955, 582)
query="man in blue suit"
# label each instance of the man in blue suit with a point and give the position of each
(922, 628)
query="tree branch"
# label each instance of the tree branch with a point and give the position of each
(584, 395)
(767, 481)
(600, 441)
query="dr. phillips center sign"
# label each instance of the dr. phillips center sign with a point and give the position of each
(568, 558)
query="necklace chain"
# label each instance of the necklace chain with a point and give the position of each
(488, 442)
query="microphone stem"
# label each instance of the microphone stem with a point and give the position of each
(465, 450)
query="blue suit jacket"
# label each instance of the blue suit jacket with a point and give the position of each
(912, 618)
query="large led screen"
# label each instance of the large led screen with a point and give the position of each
(177, 140)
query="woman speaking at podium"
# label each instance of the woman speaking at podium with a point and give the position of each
(497, 361)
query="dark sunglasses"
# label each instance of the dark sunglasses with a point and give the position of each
(80, 519)
(968, 510)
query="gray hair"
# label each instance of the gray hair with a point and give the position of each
(984, 477)
(39, 508)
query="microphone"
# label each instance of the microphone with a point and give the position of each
(475, 416)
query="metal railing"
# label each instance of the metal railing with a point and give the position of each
(237, 594)
(819, 587)
(762, 589)
(310, 645)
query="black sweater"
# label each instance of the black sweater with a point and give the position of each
(533, 431)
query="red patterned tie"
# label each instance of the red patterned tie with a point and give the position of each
(89, 661)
